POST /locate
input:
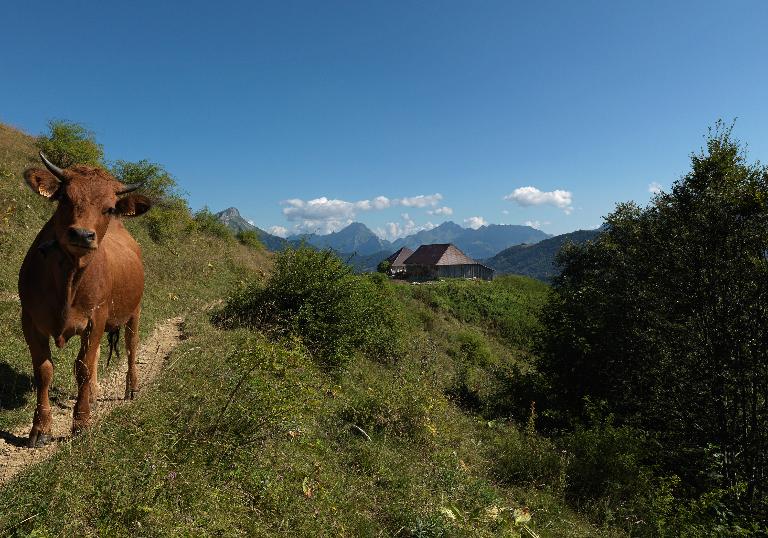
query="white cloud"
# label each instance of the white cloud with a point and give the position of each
(475, 222)
(536, 223)
(324, 208)
(505, 211)
(529, 196)
(420, 201)
(440, 211)
(320, 227)
(395, 230)
(280, 231)
(654, 187)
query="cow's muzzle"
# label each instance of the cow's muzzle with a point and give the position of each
(82, 238)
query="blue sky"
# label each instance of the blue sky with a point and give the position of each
(306, 115)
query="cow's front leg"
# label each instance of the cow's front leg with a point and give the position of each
(40, 349)
(86, 367)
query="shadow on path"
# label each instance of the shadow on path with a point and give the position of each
(14, 387)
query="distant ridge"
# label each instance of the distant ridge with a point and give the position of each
(479, 243)
(538, 260)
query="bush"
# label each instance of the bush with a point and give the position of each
(609, 478)
(527, 459)
(68, 143)
(168, 220)
(314, 296)
(156, 182)
(250, 238)
(208, 223)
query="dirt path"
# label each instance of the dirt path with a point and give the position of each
(15, 457)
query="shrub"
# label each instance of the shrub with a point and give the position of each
(208, 223)
(68, 143)
(313, 295)
(157, 182)
(250, 238)
(168, 220)
(527, 459)
(608, 476)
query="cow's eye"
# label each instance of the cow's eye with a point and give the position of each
(110, 211)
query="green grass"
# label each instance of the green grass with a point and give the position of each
(283, 457)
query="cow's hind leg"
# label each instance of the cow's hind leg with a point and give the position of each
(131, 343)
(86, 367)
(40, 349)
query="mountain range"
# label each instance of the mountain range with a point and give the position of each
(509, 249)
(483, 242)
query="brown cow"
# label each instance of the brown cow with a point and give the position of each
(82, 276)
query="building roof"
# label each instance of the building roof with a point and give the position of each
(439, 254)
(399, 257)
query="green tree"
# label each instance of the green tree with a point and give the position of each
(157, 182)
(384, 266)
(68, 143)
(665, 318)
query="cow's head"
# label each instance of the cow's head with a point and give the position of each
(88, 199)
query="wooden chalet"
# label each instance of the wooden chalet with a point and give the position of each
(431, 262)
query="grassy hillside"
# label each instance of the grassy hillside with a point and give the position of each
(247, 434)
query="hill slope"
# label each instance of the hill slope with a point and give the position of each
(537, 260)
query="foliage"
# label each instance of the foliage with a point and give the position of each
(384, 266)
(206, 222)
(250, 238)
(156, 182)
(314, 296)
(508, 306)
(664, 318)
(68, 143)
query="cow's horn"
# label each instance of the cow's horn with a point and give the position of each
(130, 187)
(55, 170)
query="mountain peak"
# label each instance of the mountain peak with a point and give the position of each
(230, 212)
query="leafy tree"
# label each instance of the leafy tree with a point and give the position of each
(68, 143)
(384, 266)
(156, 182)
(665, 318)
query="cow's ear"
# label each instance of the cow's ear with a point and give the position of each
(42, 182)
(133, 205)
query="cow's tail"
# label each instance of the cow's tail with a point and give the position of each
(113, 337)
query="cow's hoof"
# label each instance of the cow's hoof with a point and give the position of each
(130, 394)
(79, 426)
(38, 439)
